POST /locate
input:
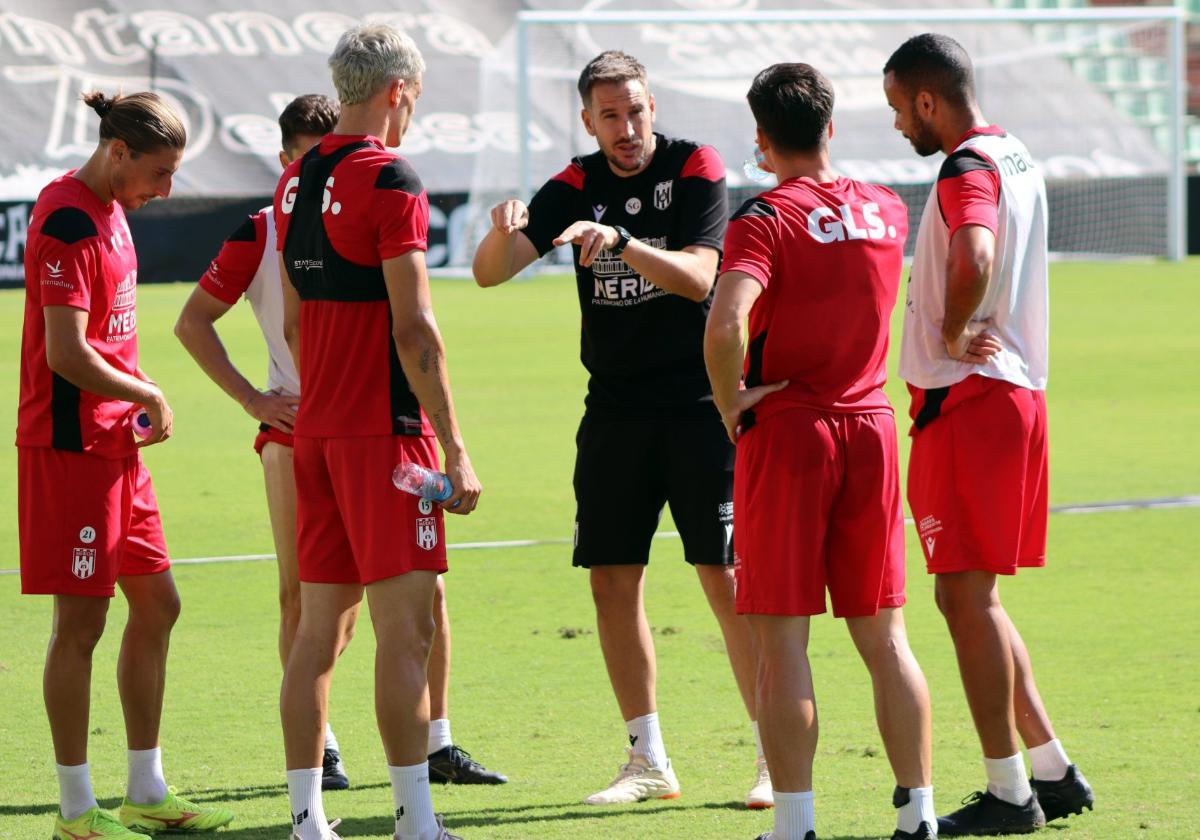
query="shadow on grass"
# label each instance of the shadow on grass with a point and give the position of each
(206, 796)
(456, 820)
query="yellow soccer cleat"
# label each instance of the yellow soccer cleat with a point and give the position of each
(92, 825)
(173, 815)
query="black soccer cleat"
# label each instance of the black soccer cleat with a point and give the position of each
(1069, 795)
(987, 815)
(333, 774)
(452, 765)
(767, 835)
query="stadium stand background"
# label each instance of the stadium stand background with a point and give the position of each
(232, 66)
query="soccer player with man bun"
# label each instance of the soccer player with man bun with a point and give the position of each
(248, 266)
(645, 215)
(815, 264)
(352, 223)
(87, 514)
(975, 357)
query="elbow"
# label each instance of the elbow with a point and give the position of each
(183, 328)
(700, 291)
(720, 333)
(413, 336)
(60, 361)
(483, 277)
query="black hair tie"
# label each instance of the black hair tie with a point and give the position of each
(103, 107)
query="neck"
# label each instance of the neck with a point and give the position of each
(968, 118)
(95, 175)
(363, 119)
(815, 166)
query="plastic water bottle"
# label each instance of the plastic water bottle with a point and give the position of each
(752, 167)
(141, 424)
(423, 482)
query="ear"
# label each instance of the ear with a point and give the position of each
(925, 104)
(118, 150)
(284, 160)
(395, 93)
(653, 107)
(587, 122)
(760, 139)
(829, 130)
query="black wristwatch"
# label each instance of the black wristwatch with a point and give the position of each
(623, 238)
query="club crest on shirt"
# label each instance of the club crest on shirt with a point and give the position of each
(83, 563)
(633, 206)
(662, 195)
(427, 533)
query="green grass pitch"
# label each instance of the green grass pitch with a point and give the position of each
(1111, 622)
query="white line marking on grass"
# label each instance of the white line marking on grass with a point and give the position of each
(1096, 507)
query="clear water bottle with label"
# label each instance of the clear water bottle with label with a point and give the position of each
(142, 427)
(423, 482)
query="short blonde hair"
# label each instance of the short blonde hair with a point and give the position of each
(369, 57)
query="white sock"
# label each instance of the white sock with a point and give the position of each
(439, 735)
(1006, 779)
(414, 804)
(331, 739)
(918, 810)
(146, 783)
(75, 795)
(757, 740)
(1049, 761)
(793, 815)
(308, 811)
(645, 737)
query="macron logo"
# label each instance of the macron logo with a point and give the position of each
(929, 543)
(598, 211)
(55, 270)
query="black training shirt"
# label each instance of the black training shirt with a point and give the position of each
(642, 346)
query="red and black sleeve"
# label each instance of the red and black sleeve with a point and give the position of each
(67, 255)
(553, 208)
(752, 240)
(230, 274)
(705, 201)
(968, 190)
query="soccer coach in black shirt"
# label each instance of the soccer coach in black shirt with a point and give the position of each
(646, 215)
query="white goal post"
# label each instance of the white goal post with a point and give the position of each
(1101, 90)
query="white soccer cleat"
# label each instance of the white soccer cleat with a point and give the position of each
(761, 795)
(443, 832)
(637, 781)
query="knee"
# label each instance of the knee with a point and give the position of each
(159, 614)
(885, 652)
(958, 607)
(347, 632)
(289, 603)
(422, 638)
(80, 634)
(611, 589)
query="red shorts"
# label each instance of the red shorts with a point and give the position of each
(269, 434)
(353, 525)
(816, 501)
(84, 522)
(978, 477)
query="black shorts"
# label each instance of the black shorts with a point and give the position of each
(626, 469)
